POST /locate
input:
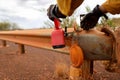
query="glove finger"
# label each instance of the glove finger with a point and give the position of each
(50, 13)
(86, 25)
(83, 23)
(89, 25)
(48, 10)
(93, 24)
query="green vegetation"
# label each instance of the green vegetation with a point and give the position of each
(116, 21)
(112, 23)
(48, 24)
(5, 26)
(68, 22)
(87, 8)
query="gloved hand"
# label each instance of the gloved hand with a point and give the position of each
(53, 12)
(91, 19)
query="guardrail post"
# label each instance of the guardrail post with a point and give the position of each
(4, 44)
(21, 48)
(87, 70)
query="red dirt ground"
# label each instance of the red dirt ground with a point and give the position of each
(35, 64)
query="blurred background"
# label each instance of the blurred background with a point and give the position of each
(32, 14)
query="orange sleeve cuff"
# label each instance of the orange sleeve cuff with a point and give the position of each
(67, 7)
(112, 6)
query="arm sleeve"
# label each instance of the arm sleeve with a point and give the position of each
(67, 7)
(112, 6)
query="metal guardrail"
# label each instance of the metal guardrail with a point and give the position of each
(42, 39)
(37, 38)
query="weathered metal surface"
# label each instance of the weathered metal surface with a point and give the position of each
(38, 38)
(4, 44)
(96, 45)
(21, 48)
(117, 33)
